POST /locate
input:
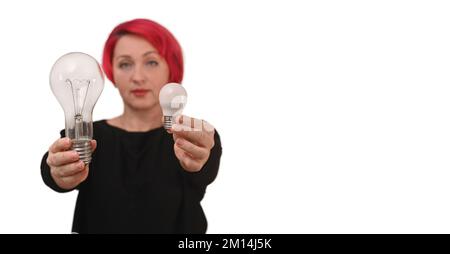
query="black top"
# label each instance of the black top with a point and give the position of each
(137, 185)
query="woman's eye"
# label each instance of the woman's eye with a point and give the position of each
(124, 65)
(152, 63)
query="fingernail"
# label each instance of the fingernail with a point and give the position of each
(180, 142)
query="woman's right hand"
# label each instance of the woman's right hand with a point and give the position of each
(66, 168)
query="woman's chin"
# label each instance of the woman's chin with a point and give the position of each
(141, 106)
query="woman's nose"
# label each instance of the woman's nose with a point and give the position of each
(138, 75)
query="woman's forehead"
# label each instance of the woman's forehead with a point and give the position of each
(133, 46)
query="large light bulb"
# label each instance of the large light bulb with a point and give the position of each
(77, 81)
(172, 98)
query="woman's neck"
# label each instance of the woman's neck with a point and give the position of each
(138, 121)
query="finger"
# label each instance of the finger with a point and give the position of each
(208, 127)
(78, 177)
(189, 122)
(195, 151)
(70, 169)
(185, 131)
(186, 160)
(200, 138)
(194, 123)
(61, 158)
(61, 144)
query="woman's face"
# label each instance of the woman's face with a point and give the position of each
(139, 72)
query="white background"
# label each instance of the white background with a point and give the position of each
(334, 115)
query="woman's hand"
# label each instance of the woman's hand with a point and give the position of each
(194, 140)
(65, 166)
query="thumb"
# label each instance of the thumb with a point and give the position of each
(93, 144)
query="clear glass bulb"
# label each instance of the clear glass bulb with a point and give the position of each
(77, 81)
(173, 99)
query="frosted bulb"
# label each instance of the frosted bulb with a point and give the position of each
(77, 81)
(173, 99)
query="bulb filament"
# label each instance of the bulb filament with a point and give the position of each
(80, 88)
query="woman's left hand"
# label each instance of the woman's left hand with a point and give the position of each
(194, 140)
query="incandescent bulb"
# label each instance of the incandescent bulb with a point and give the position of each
(77, 81)
(173, 99)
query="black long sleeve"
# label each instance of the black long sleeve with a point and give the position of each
(209, 171)
(136, 185)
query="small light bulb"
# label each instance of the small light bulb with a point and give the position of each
(173, 99)
(77, 81)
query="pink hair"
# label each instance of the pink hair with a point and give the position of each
(157, 35)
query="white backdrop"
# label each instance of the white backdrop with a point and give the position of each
(334, 115)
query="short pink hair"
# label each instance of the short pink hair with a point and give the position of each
(157, 35)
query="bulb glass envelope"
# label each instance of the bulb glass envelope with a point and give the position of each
(77, 81)
(173, 99)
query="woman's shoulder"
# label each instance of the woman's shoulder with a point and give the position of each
(101, 127)
(99, 123)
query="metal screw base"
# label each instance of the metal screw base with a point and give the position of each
(167, 122)
(83, 148)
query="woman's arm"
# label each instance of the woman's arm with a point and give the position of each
(208, 172)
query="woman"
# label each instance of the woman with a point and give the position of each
(142, 179)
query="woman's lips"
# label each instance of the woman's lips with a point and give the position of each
(139, 92)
